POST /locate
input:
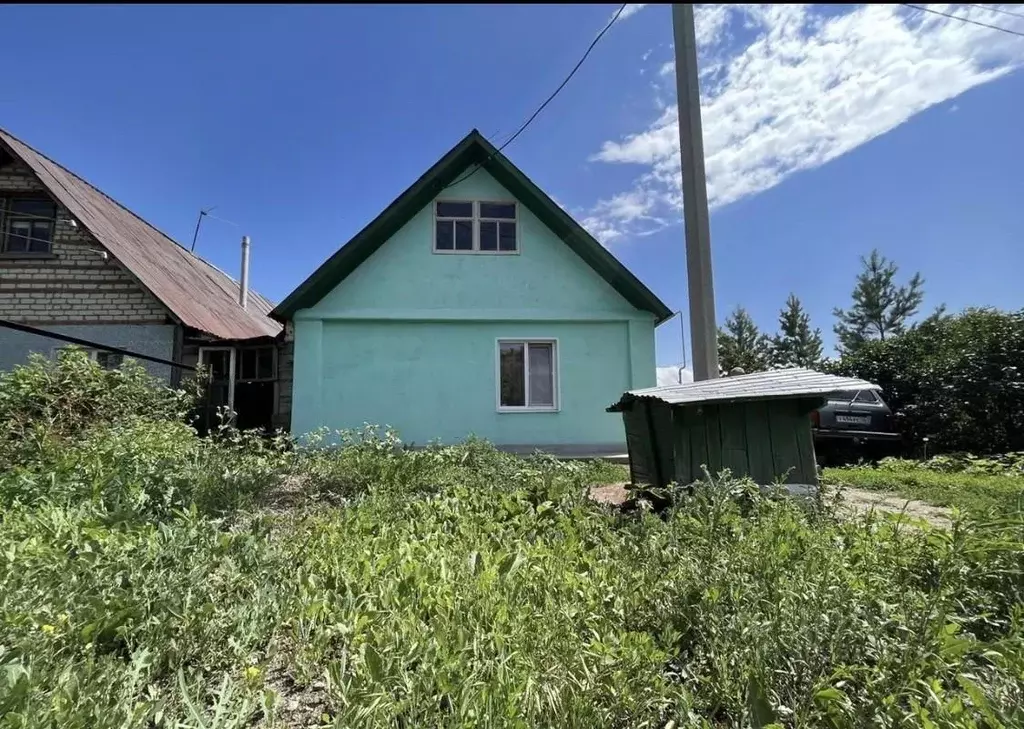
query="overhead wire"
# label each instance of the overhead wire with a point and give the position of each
(547, 101)
(962, 19)
(995, 10)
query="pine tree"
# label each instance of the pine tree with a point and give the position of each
(741, 344)
(796, 344)
(880, 308)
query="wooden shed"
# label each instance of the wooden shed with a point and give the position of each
(755, 425)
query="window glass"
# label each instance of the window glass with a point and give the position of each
(463, 235)
(18, 234)
(455, 210)
(265, 365)
(247, 370)
(513, 382)
(110, 360)
(501, 211)
(32, 208)
(40, 237)
(506, 237)
(445, 232)
(488, 235)
(542, 375)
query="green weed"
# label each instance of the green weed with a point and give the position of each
(144, 583)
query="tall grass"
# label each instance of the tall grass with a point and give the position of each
(150, 578)
(982, 486)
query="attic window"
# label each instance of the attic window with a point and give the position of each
(27, 225)
(475, 227)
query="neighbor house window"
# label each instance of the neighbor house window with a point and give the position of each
(475, 227)
(527, 374)
(105, 359)
(255, 364)
(27, 225)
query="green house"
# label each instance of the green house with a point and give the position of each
(755, 425)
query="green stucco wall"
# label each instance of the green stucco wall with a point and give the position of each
(409, 340)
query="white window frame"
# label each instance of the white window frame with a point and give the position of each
(232, 365)
(91, 352)
(476, 220)
(556, 375)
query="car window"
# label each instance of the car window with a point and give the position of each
(843, 396)
(867, 396)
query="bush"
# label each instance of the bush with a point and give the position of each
(56, 400)
(143, 587)
(957, 380)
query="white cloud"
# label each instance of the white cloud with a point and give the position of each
(630, 10)
(671, 375)
(805, 88)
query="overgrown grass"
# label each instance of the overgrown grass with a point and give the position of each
(980, 486)
(156, 580)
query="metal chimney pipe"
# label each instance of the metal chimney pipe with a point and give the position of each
(243, 289)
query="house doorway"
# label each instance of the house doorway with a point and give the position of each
(243, 380)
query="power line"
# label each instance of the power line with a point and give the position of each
(18, 327)
(995, 10)
(965, 20)
(547, 100)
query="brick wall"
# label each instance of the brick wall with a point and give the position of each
(73, 285)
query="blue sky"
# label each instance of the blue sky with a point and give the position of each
(829, 130)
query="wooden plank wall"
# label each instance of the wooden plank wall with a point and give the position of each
(763, 440)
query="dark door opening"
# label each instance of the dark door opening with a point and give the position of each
(243, 380)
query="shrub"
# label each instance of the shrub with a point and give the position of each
(957, 380)
(59, 399)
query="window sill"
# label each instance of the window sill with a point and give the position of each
(9, 255)
(528, 410)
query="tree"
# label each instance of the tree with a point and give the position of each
(955, 379)
(796, 344)
(880, 308)
(741, 344)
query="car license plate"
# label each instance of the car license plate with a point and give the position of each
(853, 419)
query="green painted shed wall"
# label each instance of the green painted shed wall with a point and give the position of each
(767, 440)
(408, 339)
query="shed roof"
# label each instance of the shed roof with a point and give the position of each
(772, 385)
(199, 294)
(473, 151)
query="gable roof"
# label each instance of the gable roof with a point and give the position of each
(199, 294)
(474, 149)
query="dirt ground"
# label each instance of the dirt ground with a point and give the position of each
(857, 501)
(851, 502)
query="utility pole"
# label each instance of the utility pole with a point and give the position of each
(703, 328)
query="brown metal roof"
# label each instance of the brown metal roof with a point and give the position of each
(196, 292)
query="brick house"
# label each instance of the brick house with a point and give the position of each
(73, 261)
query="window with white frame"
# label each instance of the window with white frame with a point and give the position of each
(527, 374)
(475, 227)
(105, 359)
(26, 225)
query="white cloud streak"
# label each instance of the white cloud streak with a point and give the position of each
(805, 87)
(630, 10)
